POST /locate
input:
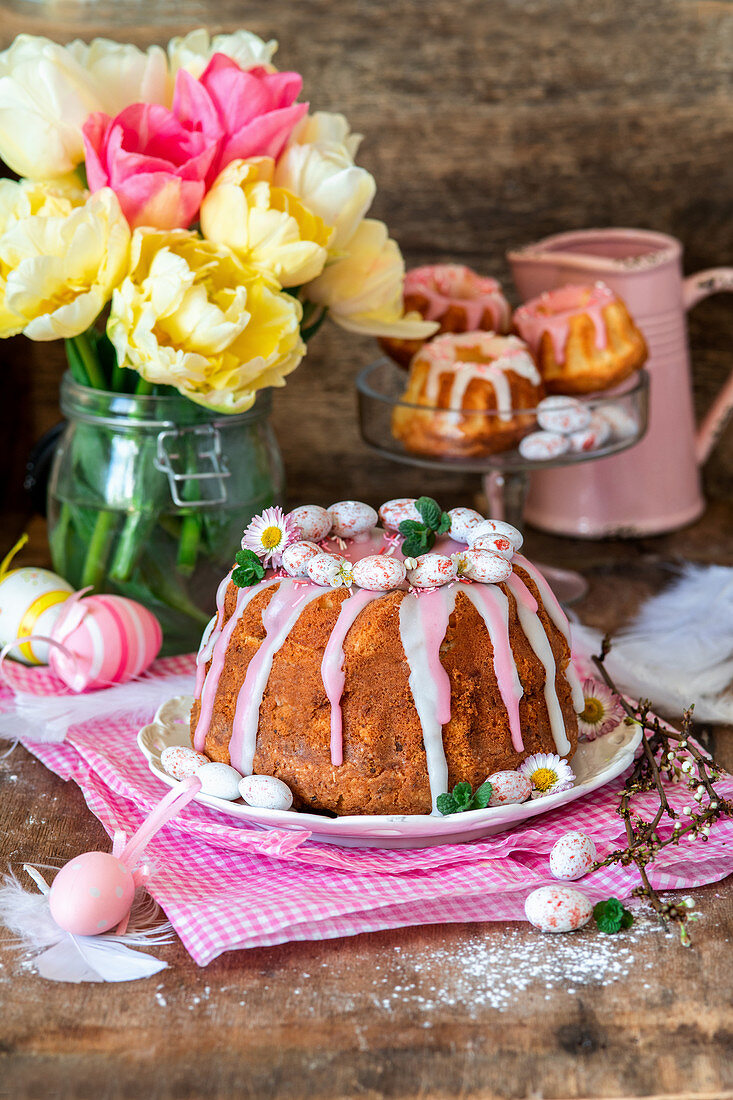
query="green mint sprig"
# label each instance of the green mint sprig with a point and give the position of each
(611, 917)
(420, 537)
(463, 798)
(250, 571)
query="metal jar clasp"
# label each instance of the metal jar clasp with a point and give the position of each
(193, 454)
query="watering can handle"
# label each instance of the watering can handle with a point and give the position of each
(695, 288)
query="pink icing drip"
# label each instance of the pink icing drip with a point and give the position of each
(435, 611)
(523, 594)
(451, 284)
(504, 664)
(552, 312)
(332, 666)
(206, 650)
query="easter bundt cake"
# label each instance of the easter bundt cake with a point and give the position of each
(371, 682)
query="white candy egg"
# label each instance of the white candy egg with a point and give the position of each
(378, 573)
(621, 420)
(180, 761)
(352, 518)
(323, 569)
(542, 446)
(483, 566)
(296, 557)
(431, 571)
(595, 435)
(463, 520)
(395, 512)
(562, 414)
(219, 780)
(509, 788)
(558, 909)
(496, 527)
(572, 856)
(495, 544)
(314, 522)
(266, 792)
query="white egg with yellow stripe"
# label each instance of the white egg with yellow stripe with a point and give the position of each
(30, 602)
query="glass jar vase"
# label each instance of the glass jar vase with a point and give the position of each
(149, 495)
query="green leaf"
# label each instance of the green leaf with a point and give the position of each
(611, 916)
(416, 545)
(446, 804)
(410, 527)
(482, 796)
(430, 511)
(627, 919)
(444, 524)
(463, 793)
(250, 571)
(463, 798)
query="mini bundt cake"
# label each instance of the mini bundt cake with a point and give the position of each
(457, 298)
(583, 338)
(476, 393)
(380, 685)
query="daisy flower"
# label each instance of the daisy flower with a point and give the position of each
(602, 712)
(548, 773)
(268, 534)
(344, 576)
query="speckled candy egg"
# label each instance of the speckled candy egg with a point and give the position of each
(495, 544)
(378, 573)
(219, 780)
(180, 761)
(558, 909)
(594, 435)
(489, 527)
(432, 571)
(323, 569)
(509, 788)
(621, 420)
(352, 518)
(296, 557)
(483, 566)
(463, 520)
(543, 446)
(562, 414)
(572, 856)
(266, 792)
(313, 521)
(91, 894)
(395, 512)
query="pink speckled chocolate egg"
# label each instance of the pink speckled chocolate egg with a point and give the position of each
(352, 518)
(324, 569)
(296, 557)
(490, 527)
(378, 573)
(463, 520)
(219, 780)
(483, 566)
(313, 521)
(432, 571)
(543, 446)
(621, 420)
(594, 435)
(91, 894)
(394, 512)
(266, 792)
(558, 909)
(572, 856)
(509, 788)
(180, 761)
(562, 414)
(495, 544)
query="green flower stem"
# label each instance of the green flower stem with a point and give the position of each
(167, 592)
(58, 540)
(76, 366)
(143, 387)
(189, 544)
(133, 537)
(120, 376)
(84, 350)
(99, 547)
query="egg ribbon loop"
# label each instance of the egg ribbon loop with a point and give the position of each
(167, 808)
(6, 651)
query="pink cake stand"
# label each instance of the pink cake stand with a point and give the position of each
(505, 476)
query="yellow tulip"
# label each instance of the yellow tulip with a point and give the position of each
(363, 291)
(268, 227)
(191, 315)
(61, 255)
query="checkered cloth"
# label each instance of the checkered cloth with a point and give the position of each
(226, 885)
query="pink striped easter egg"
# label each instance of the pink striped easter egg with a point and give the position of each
(110, 640)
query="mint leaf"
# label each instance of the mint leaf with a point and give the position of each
(463, 798)
(418, 542)
(446, 804)
(250, 571)
(482, 796)
(444, 524)
(410, 527)
(463, 793)
(430, 511)
(611, 917)
(627, 919)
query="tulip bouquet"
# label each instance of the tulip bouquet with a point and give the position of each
(185, 224)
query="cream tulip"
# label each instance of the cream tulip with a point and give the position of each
(324, 176)
(122, 74)
(327, 128)
(194, 51)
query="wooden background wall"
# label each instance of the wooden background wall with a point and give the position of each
(487, 123)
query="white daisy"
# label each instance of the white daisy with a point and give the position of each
(269, 534)
(548, 773)
(344, 576)
(602, 713)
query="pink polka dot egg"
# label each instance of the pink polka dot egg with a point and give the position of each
(558, 909)
(91, 894)
(572, 856)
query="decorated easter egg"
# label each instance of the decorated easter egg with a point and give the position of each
(379, 573)
(543, 446)
(495, 544)
(483, 566)
(30, 603)
(562, 414)
(313, 521)
(621, 420)
(219, 780)
(463, 520)
(496, 527)
(432, 571)
(328, 570)
(266, 792)
(395, 512)
(296, 557)
(558, 909)
(509, 788)
(91, 893)
(351, 518)
(107, 640)
(180, 761)
(572, 856)
(594, 435)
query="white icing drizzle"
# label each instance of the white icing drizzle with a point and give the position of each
(505, 666)
(535, 633)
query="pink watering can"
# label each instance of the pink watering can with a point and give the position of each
(654, 486)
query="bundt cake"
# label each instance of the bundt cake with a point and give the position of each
(468, 395)
(457, 298)
(582, 337)
(372, 683)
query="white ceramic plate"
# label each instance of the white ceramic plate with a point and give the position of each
(595, 763)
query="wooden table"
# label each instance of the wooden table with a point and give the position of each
(473, 1010)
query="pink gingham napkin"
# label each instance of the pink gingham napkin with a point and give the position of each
(227, 885)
